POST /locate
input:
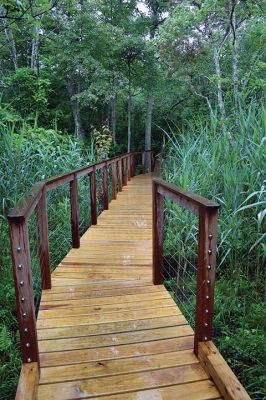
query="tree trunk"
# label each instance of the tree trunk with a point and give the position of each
(216, 57)
(34, 64)
(129, 110)
(113, 113)
(79, 132)
(235, 70)
(148, 131)
(11, 43)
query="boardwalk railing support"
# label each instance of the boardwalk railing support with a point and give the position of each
(207, 212)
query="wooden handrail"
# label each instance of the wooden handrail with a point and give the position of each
(18, 224)
(207, 212)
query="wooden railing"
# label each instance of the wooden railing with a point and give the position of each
(123, 168)
(207, 212)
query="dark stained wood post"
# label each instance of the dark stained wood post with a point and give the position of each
(114, 180)
(74, 212)
(43, 247)
(143, 162)
(20, 251)
(105, 187)
(133, 165)
(120, 175)
(205, 275)
(128, 167)
(93, 197)
(157, 235)
(124, 171)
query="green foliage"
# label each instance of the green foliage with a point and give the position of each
(199, 159)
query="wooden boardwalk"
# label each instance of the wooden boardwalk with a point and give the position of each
(104, 330)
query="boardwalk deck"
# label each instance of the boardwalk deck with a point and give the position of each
(104, 330)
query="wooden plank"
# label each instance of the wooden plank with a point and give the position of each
(28, 382)
(222, 375)
(105, 308)
(86, 342)
(203, 390)
(89, 388)
(115, 352)
(115, 367)
(113, 327)
(107, 317)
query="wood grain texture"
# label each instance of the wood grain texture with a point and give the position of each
(28, 382)
(104, 329)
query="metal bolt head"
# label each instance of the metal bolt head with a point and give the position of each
(20, 266)
(208, 281)
(22, 299)
(207, 297)
(206, 324)
(206, 311)
(24, 315)
(210, 236)
(209, 267)
(26, 330)
(209, 251)
(29, 360)
(19, 249)
(21, 283)
(205, 338)
(27, 345)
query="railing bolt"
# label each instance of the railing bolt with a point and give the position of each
(20, 266)
(21, 283)
(206, 311)
(209, 267)
(19, 249)
(206, 324)
(209, 251)
(22, 299)
(205, 338)
(29, 360)
(207, 297)
(208, 281)
(27, 345)
(210, 236)
(26, 330)
(24, 315)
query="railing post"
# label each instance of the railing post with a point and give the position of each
(20, 250)
(133, 165)
(124, 171)
(114, 180)
(143, 162)
(43, 241)
(205, 275)
(74, 212)
(120, 175)
(128, 167)
(93, 197)
(105, 187)
(157, 235)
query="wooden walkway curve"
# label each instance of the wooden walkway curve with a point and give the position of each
(104, 330)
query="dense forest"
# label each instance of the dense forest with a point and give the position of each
(184, 78)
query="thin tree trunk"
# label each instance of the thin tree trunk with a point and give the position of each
(34, 64)
(11, 43)
(79, 132)
(235, 70)
(148, 131)
(113, 113)
(216, 58)
(129, 110)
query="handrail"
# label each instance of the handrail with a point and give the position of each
(19, 236)
(207, 212)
